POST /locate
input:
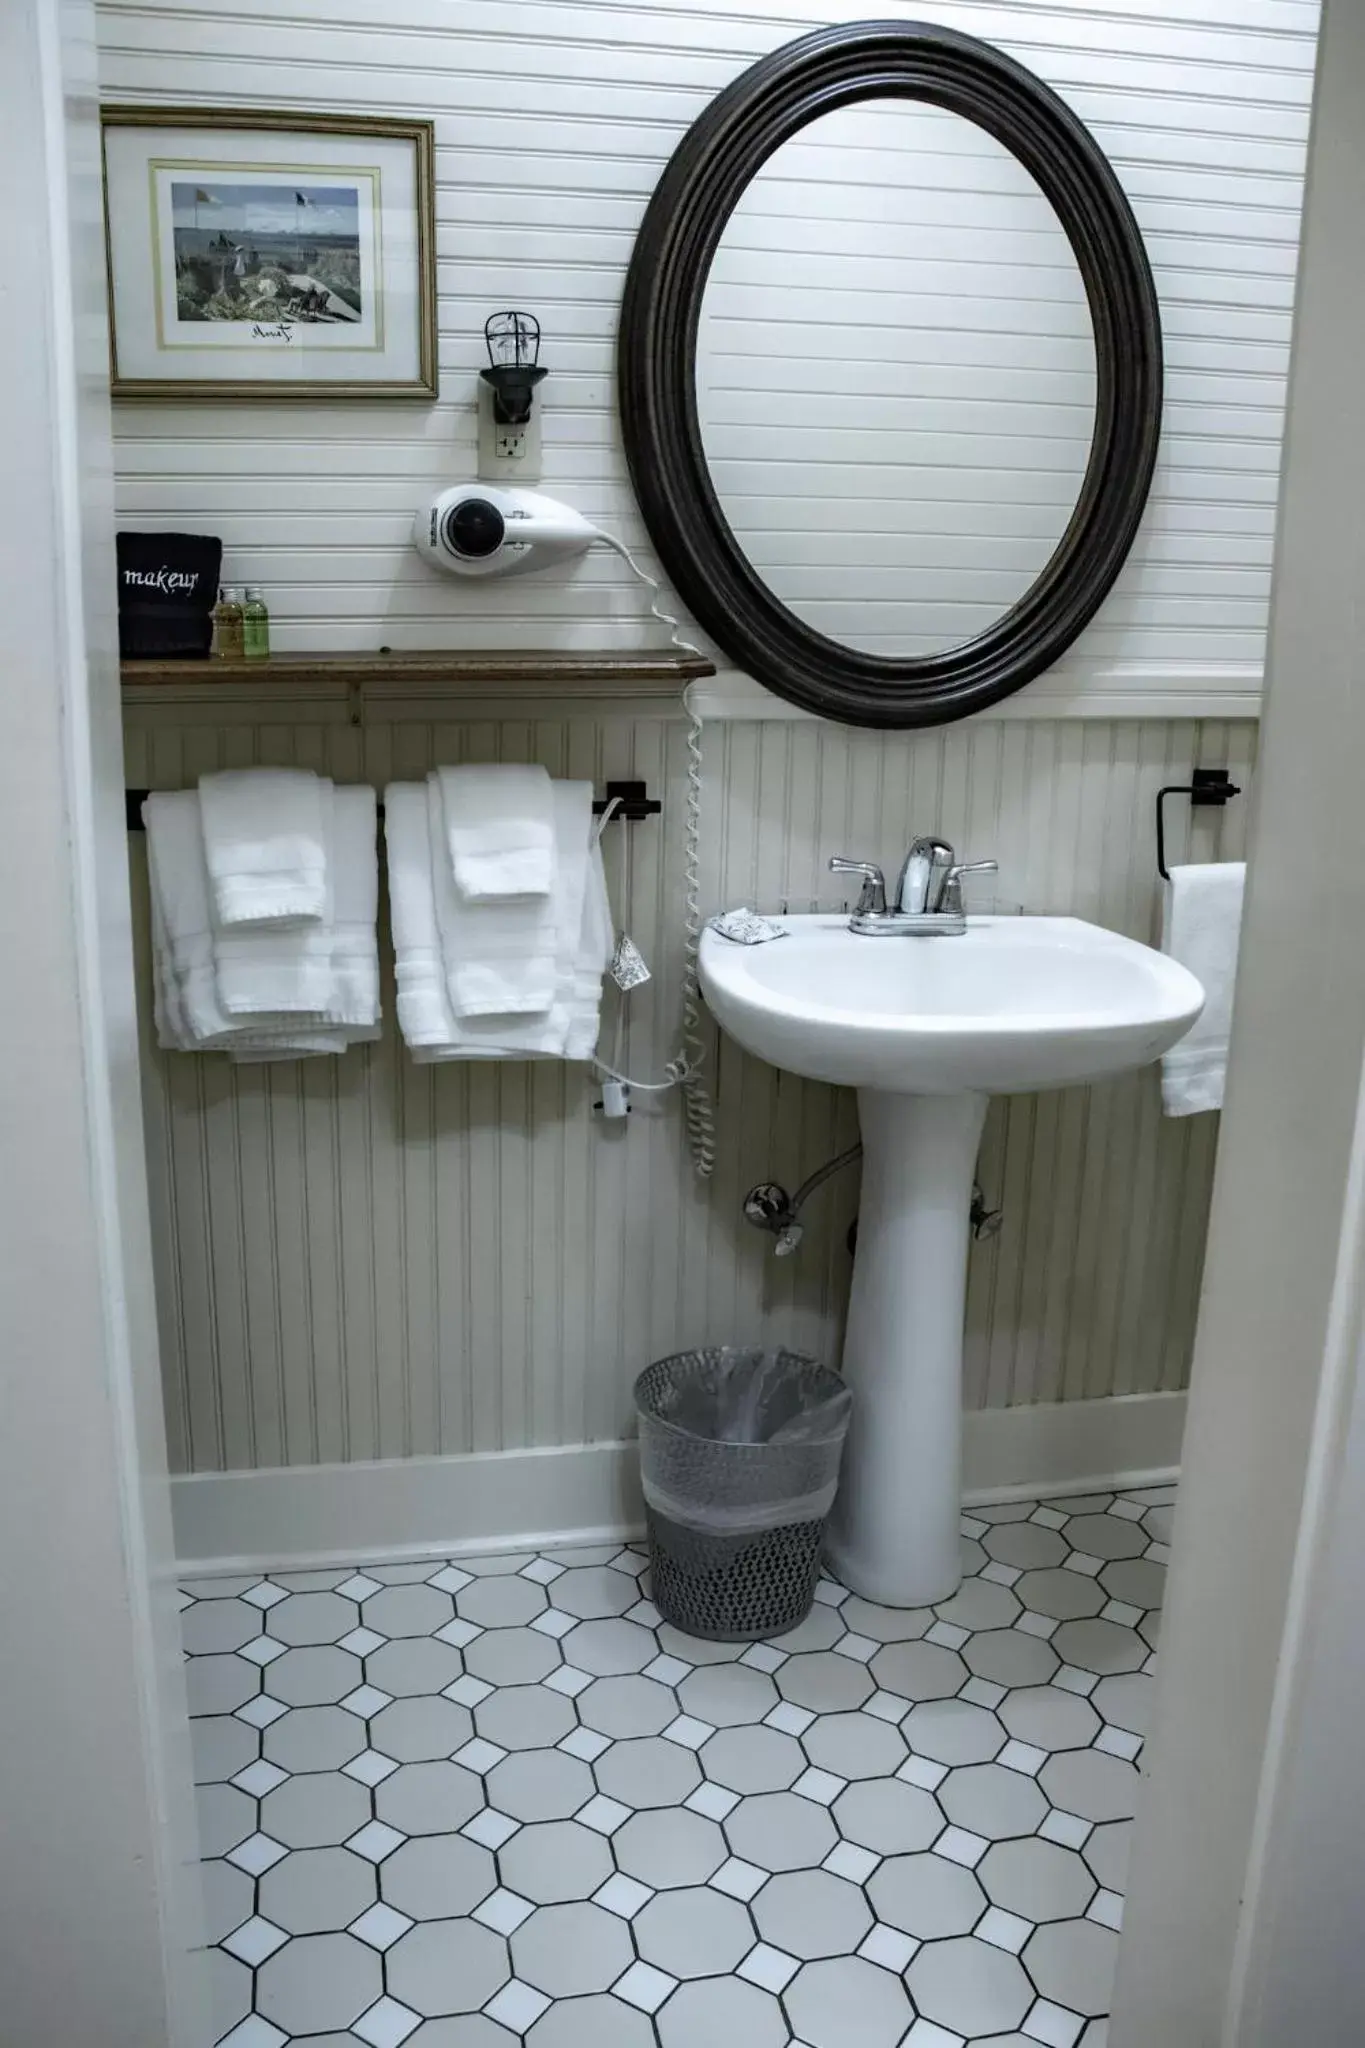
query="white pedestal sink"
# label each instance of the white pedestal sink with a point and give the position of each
(926, 1029)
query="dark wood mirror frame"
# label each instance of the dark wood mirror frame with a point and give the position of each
(672, 257)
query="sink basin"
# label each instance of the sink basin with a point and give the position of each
(927, 1029)
(1015, 1004)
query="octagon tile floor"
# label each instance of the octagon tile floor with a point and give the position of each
(467, 1804)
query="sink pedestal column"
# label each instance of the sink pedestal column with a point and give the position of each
(894, 1536)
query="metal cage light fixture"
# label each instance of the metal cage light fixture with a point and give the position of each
(513, 343)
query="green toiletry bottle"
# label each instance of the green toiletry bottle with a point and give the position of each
(255, 627)
(228, 630)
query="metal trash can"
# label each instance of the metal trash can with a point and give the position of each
(739, 1460)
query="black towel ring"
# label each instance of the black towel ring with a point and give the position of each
(1209, 787)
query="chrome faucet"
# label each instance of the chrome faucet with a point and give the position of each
(928, 899)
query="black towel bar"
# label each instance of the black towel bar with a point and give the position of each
(1210, 786)
(632, 802)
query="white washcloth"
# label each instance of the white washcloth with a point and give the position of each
(418, 869)
(1201, 927)
(499, 828)
(265, 845)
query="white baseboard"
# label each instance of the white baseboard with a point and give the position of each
(301, 1515)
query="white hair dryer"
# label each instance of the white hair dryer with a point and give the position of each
(480, 530)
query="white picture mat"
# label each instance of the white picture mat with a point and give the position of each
(141, 166)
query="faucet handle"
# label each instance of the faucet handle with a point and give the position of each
(950, 896)
(872, 900)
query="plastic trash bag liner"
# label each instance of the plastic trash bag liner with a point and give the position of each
(736, 1440)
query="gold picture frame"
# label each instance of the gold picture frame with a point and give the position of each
(357, 321)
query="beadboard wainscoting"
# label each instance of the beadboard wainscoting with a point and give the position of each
(361, 1260)
(553, 124)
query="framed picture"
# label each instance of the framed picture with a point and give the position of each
(269, 255)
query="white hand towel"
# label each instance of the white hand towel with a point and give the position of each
(499, 956)
(499, 829)
(424, 1013)
(264, 845)
(474, 938)
(281, 967)
(418, 869)
(1201, 927)
(354, 999)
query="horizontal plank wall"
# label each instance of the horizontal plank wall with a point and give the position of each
(359, 1259)
(552, 125)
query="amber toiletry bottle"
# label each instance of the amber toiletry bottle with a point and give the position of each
(228, 635)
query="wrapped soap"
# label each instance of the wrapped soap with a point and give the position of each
(746, 927)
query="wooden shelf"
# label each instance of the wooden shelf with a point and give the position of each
(366, 680)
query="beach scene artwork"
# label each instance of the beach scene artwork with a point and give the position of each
(267, 254)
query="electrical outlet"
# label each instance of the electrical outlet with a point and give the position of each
(507, 455)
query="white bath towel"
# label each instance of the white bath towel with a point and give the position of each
(265, 845)
(418, 871)
(1201, 928)
(499, 828)
(187, 1013)
(193, 958)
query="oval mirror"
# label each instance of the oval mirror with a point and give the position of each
(895, 377)
(890, 374)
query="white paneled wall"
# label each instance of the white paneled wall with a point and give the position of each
(358, 1258)
(552, 124)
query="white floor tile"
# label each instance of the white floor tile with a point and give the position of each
(386, 2024)
(740, 1879)
(889, 1947)
(504, 1911)
(622, 1896)
(371, 1767)
(254, 1940)
(380, 1926)
(585, 1743)
(490, 1828)
(1003, 1930)
(714, 1801)
(653, 1899)
(960, 1845)
(450, 1579)
(366, 1701)
(1053, 2025)
(517, 2006)
(770, 1968)
(1067, 1828)
(358, 1587)
(1107, 1909)
(644, 1987)
(569, 1681)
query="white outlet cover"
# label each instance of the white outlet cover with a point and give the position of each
(507, 455)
